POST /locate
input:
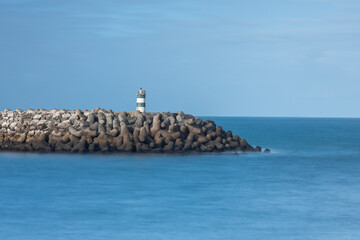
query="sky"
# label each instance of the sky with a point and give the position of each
(281, 58)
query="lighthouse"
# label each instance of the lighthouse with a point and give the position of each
(140, 100)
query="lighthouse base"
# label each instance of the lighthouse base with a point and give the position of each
(140, 109)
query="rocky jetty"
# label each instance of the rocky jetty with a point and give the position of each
(102, 130)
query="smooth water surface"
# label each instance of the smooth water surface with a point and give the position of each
(307, 188)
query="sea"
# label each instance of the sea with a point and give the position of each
(308, 187)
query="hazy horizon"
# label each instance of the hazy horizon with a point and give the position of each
(259, 58)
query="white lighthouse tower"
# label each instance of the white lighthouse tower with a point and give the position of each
(140, 100)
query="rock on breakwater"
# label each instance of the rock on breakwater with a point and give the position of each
(102, 130)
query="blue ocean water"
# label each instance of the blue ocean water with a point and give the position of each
(307, 188)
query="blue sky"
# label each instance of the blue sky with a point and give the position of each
(205, 57)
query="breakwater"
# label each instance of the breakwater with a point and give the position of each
(100, 130)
